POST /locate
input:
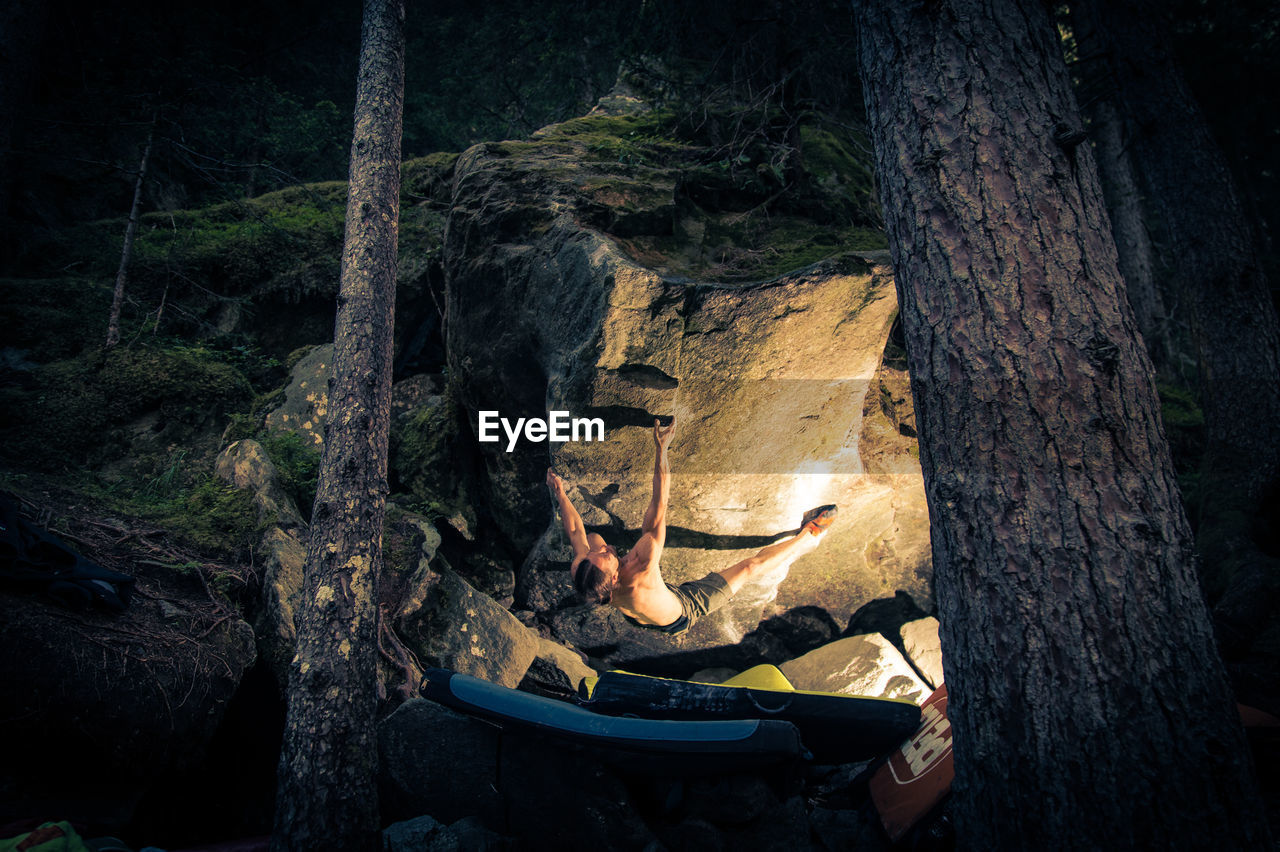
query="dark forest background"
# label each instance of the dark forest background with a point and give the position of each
(248, 97)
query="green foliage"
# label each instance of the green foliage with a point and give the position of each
(212, 274)
(841, 170)
(421, 244)
(745, 216)
(52, 319)
(760, 248)
(246, 246)
(644, 138)
(793, 55)
(503, 69)
(167, 481)
(208, 515)
(288, 241)
(282, 138)
(176, 378)
(1180, 410)
(130, 402)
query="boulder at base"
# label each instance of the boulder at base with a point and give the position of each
(924, 649)
(448, 624)
(859, 665)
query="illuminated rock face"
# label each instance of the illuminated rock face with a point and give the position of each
(769, 382)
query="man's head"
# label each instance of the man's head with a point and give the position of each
(595, 576)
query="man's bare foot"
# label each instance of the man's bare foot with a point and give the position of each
(816, 521)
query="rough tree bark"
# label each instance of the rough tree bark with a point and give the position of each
(130, 233)
(1215, 272)
(327, 795)
(1088, 703)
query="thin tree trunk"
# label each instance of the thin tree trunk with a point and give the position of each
(130, 233)
(1123, 193)
(1133, 240)
(327, 795)
(1088, 703)
(1215, 273)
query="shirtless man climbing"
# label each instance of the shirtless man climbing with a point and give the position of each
(633, 583)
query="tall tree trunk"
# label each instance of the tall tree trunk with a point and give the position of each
(327, 796)
(130, 233)
(1088, 703)
(1216, 274)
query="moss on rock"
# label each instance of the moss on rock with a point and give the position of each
(211, 517)
(427, 178)
(133, 405)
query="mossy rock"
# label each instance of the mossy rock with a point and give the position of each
(211, 517)
(285, 242)
(297, 463)
(137, 404)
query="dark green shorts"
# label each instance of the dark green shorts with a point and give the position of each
(697, 598)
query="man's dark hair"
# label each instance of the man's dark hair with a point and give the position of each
(592, 584)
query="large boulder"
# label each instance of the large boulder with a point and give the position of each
(448, 624)
(559, 301)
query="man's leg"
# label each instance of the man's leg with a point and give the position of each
(713, 591)
(770, 557)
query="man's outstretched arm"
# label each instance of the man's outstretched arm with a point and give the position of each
(569, 516)
(655, 517)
